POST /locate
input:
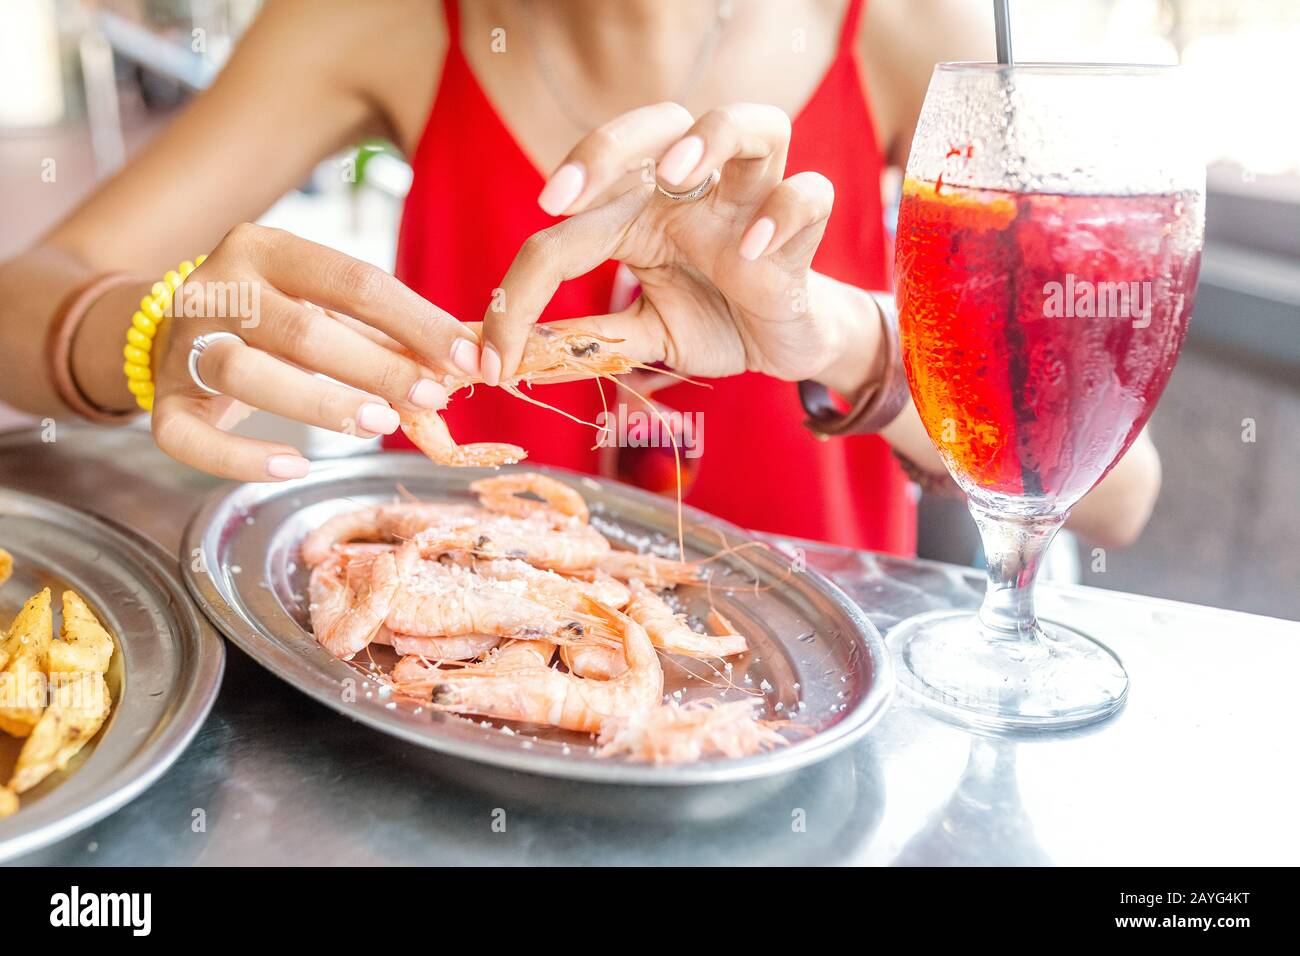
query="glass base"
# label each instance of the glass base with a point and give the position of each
(981, 679)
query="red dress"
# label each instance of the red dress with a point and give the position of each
(760, 467)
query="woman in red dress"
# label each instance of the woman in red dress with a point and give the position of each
(800, 104)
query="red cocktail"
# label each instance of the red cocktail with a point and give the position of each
(1049, 238)
(1039, 330)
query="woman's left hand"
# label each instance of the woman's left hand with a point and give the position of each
(726, 283)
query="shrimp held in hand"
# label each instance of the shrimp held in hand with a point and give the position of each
(549, 355)
(534, 693)
(429, 433)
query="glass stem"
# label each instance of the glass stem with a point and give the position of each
(1013, 547)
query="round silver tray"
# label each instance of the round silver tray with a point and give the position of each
(815, 657)
(163, 678)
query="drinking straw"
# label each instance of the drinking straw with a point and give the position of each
(1002, 24)
(1030, 480)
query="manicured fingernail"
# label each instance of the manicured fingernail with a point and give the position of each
(378, 419)
(464, 354)
(562, 189)
(491, 365)
(756, 240)
(287, 466)
(427, 394)
(678, 162)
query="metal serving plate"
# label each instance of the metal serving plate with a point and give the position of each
(815, 657)
(163, 678)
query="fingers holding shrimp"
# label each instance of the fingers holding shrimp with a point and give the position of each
(564, 251)
(638, 332)
(723, 274)
(270, 364)
(186, 429)
(298, 311)
(260, 380)
(299, 268)
(322, 343)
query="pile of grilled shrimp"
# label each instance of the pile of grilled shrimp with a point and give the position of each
(518, 609)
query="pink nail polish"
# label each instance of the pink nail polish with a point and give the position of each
(287, 466)
(562, 189)
(465, 356)
(427, 393)
(757, 239)
(378, 419)
(681, 158)
(491, 365)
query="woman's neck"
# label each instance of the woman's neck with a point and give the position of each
(591, 42)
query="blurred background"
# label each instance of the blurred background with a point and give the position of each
(75, 92)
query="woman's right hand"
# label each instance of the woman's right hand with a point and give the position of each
(302, 311)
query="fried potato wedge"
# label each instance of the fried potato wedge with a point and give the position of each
(6, 569)
(83, 644)
(23, 682)
(79, 705)
(8, 802)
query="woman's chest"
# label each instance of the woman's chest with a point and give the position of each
(545, 101)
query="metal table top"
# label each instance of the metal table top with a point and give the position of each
(1200, 768)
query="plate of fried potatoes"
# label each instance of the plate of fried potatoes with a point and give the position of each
(106, 670)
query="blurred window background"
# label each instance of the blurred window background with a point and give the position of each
(1239, 55)
(86, 84)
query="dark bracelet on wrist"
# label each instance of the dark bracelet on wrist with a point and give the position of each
(928, 481)
(875, 407)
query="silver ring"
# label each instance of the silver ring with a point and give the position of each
(198, 347)
(691, 194)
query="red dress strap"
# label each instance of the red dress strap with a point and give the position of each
(452, 10)
(848, 30)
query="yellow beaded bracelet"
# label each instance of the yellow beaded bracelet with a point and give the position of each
(144, 326)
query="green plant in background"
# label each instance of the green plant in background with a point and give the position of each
(367, 150)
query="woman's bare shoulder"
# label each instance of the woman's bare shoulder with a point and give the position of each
(389, 52)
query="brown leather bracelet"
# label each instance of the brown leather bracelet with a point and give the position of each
(58, 348)
(875, 408)
(940, 484)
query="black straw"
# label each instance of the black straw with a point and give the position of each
(1002, 24)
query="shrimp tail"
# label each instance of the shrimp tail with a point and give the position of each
(429, 433)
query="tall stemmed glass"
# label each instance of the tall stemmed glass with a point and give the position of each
(1049, 238)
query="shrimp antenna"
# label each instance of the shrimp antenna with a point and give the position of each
(677, 460)
(686, 379)
(724, 682)
(755, 586)
(406, 493)
(517, 393)
(604, 411)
